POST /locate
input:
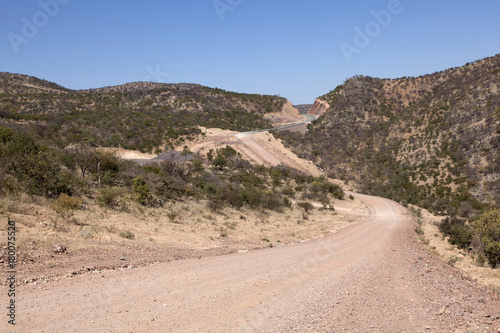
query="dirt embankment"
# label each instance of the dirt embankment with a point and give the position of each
(288, 115)
(259, 148)
(319, 108)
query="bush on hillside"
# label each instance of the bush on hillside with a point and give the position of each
(112, 197)
(487, 227)
(307, 206)
(142, 192)
(460, 233)
(66, 205)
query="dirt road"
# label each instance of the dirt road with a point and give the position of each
(370, 277)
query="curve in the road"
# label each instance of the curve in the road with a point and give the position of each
(370, 277)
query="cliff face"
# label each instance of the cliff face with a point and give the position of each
(319, 108)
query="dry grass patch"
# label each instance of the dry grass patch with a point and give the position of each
(186, 224)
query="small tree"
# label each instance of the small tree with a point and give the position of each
(220, 162)
(210, 155)
(488, 229)
(198, 165)
(186, 152)
(325, 201)
(84, 157)
(307, 206)
(142, 192)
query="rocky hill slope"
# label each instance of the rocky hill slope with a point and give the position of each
(431, 140)
(142, 115)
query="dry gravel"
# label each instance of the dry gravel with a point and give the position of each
(370, 277)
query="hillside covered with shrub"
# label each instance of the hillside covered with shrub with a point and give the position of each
(150, 117)
(225, 180)
(432, 140)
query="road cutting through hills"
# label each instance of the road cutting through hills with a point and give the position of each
(373, 276)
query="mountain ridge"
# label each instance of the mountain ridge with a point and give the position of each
(146, 116)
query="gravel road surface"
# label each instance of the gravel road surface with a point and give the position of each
(370, 277)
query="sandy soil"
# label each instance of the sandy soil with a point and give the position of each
(94, 236)
(370, 277)
(128, 154)
(259, 148)
(269, 143)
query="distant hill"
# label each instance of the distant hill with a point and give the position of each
(142, 115)
(303, 108)
(17, 83)
(432, 140)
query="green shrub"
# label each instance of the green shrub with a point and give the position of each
(220, 162)
(461, 236)
(271, 201)
(9, 184)
(107, 168)
(215, 203)
(113, 197)
(142, 192)
(246, 178)
(66, 205)
(316, 188)
(487, 227)
(307, 206)
(223, 232)
(198, 165)
(288, 191)
(335, 190)
(324, 200)
(171, 188)
(227, 152)
(419, 230)
(447, 223)
(172, 215)
(251, 196)
(460, 233)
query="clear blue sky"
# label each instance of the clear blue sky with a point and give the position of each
(291, 48)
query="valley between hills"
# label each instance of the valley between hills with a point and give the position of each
(152, 207)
